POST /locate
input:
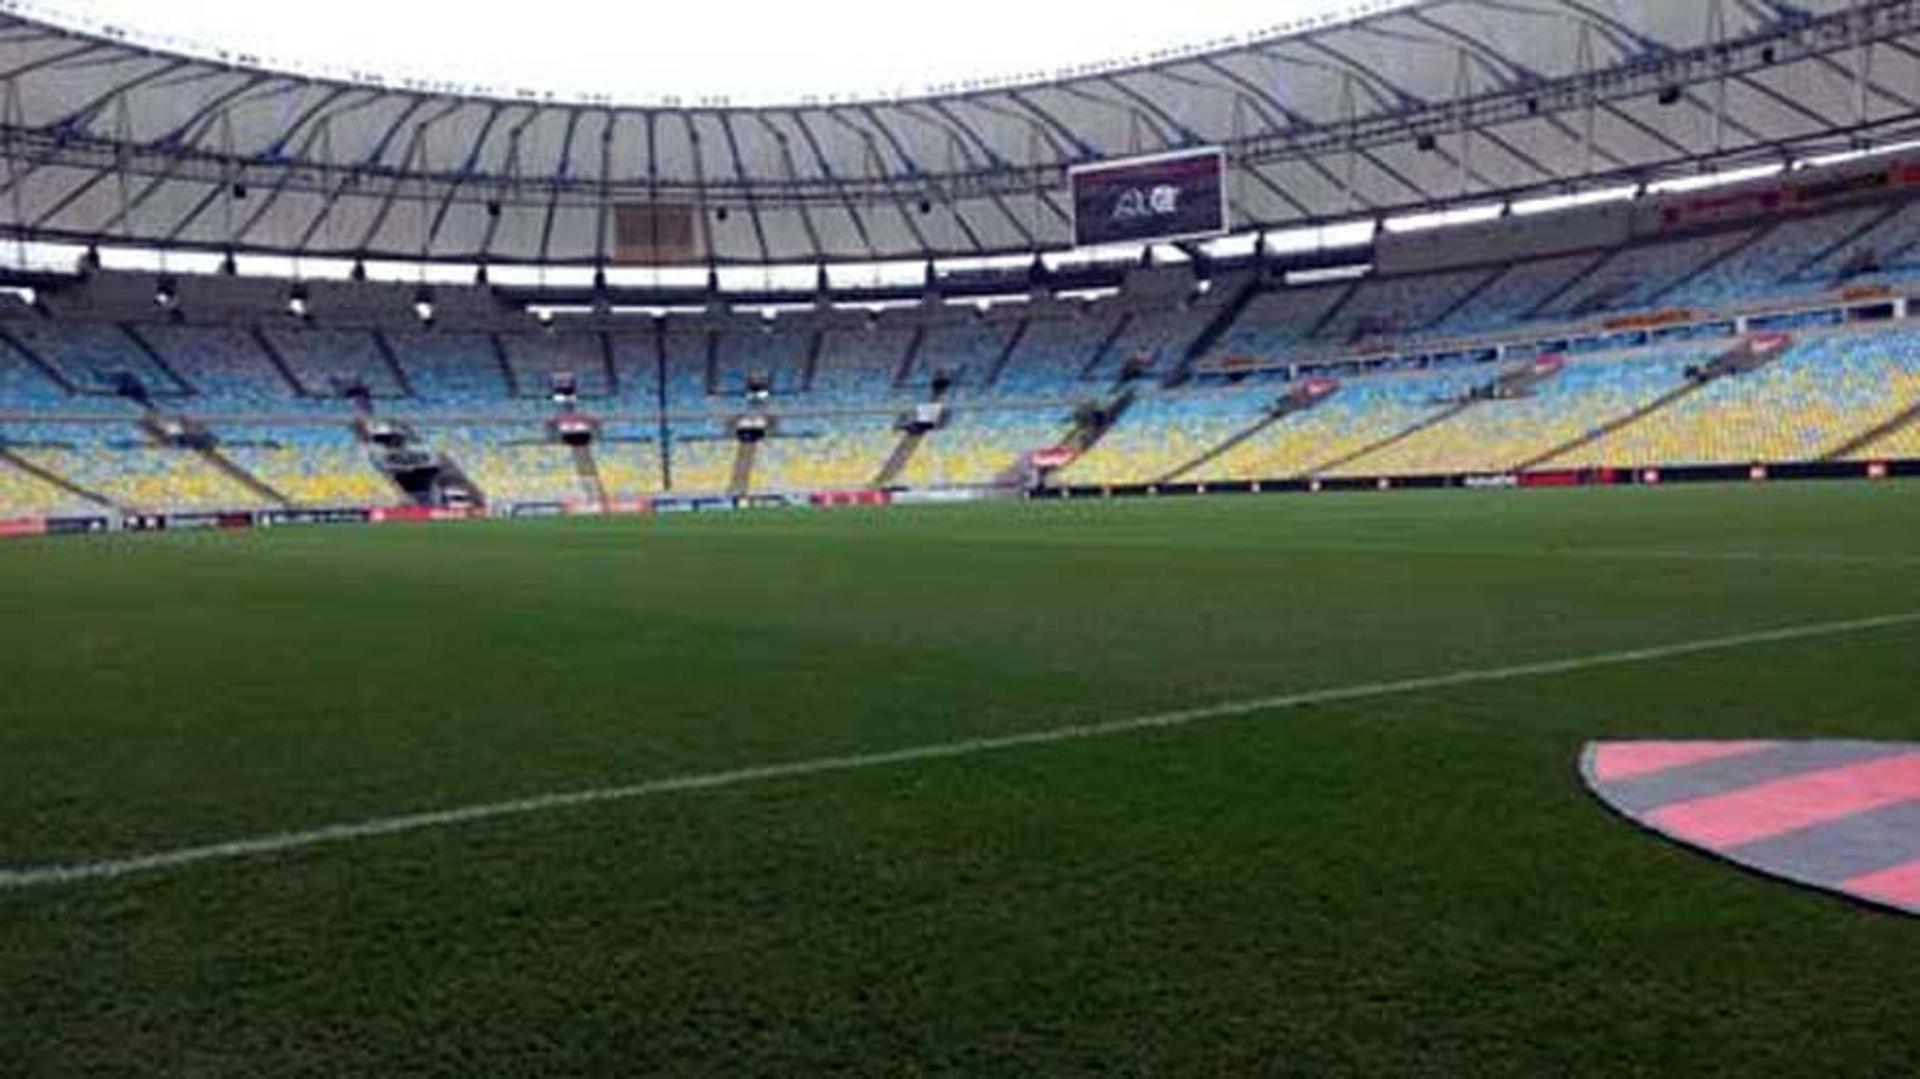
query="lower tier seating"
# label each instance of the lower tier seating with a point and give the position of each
(979, 447)
(1804, 405)
(312, 466)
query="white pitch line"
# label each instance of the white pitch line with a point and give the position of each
(107, 869)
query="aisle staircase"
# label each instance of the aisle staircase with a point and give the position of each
(743, 461)
(897, 461)
(589, 471)
(1874, 434)
(1288, 406)
(228, 467)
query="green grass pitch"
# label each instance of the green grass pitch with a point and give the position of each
(1406, 884)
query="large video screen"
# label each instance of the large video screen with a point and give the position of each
(1169, 196)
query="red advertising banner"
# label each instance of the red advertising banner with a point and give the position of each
(850, 498)
(24, 526)
(404, 514)
(1054, 457)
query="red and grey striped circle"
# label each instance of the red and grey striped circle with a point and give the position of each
(1837, 815)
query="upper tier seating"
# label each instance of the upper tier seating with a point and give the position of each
(1759, 267)
(1387, 308)
(454, 373)
(535, 358)
(232, 373)
(1513, 295)
(1277, 322)
(966, 351)
(25, 388)
(90, 355)
(1051, 354)
(1152, 341)
(1888, 242)
(857, 366)
(687, 374)
(1638, 277)
(765, 351)
(323, 360)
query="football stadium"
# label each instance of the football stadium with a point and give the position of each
(1384, 543)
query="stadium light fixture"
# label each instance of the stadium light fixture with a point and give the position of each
(166, 292)
(297, 301)
(423, 305)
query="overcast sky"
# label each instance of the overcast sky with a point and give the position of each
(755, 52)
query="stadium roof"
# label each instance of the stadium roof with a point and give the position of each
(1393, 108)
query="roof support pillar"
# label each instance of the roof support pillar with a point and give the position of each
(1462, 91)
(605, 224)
(1350, 118)
(1862, 73)
(1717, 35)
(1584, 63)
(1238, 177)
(122, 167)
(15, 118)
(1036, 144)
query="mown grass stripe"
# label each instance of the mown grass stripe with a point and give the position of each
(278, 843)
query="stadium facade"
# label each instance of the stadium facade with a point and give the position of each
(1463, 242)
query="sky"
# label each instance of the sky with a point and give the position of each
(756, 52)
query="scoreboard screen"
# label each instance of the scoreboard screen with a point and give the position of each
(1172, 196)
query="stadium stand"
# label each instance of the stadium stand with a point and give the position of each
(23, 494)
(92, 356)
(231, 372)
(320, 361)
(1902, 443)
(1160, 433)
(1393, 307)
(1052, 351)
(1516, 292)
(1637, 277)
(826, 452)
(1800, 407)
(1361, 414)
(512, 464)
(703, 464)
(536, 359)
(628, 458)
(1878, 252)
(1498, 435)
(310, 465)
(455, 373)
(1153, 380)
(119, 463)
(979, 446)
(1761, 266)
(1276, 322)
